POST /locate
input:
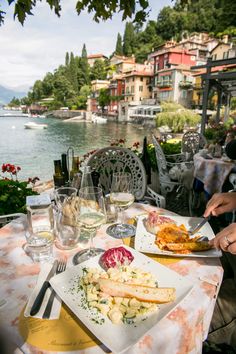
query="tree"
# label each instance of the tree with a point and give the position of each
(99, 70)
(67, 58)
(119, 49)
(103, 98)
(129, 39)
(128, 8)
(83, 97)
(84, 66)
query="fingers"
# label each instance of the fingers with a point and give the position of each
(226, 239)
(213, 203)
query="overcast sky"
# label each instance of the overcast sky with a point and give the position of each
(27, 53)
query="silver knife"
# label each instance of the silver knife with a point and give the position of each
(199, 226)
(39, 298)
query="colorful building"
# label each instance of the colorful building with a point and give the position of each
(93, 57)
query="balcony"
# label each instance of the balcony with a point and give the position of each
(164, 83)
(113, 85)
(186, 85)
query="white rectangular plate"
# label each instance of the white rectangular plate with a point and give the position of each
(145, 241)
(118, 338)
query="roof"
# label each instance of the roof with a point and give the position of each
(99, 55)
(139, 73)
(219, 44)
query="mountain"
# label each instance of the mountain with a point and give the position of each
(6, 94)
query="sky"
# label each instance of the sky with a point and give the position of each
(28, 52)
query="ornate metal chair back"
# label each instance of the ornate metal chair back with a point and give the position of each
(192, 141)
(161, 162)
(112, 159)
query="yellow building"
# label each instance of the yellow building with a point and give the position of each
(138, 85)
(221, 51)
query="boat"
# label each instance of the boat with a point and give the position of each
(97, 119)
(33, 125)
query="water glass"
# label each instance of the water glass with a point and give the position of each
(64, 195)
(67, 232)
(111, 210)
(39, 243)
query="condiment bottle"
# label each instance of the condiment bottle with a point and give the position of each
(58, 177)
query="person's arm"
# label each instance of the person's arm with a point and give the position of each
(226, 239)
(220, 203)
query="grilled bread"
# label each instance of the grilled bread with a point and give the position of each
(190, 246)
(140, 292)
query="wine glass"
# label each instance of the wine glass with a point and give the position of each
(92, 214)
(122, 196)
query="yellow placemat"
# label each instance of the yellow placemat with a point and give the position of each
(161, 259)
(64, 334)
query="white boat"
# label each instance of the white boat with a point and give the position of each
(33, 125)
(97, 119)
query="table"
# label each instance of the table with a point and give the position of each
(212, 172)
(182, 331)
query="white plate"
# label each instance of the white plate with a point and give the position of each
(145, 241)
(118, 338)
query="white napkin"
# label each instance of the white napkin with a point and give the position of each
(56, 307)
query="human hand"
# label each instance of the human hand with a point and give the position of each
(220, 203)
(226, 239)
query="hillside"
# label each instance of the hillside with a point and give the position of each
(6, 95)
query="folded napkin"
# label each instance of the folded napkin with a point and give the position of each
(56, 308)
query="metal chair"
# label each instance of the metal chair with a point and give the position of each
(167, 184)
(5, 219)
(113, 159)
(192, 142)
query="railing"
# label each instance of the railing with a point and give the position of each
(186, 84)
(164, 83)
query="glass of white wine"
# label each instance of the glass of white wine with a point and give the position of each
(92, 214)
(122, 196)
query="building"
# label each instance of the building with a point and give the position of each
(122, 63)
(96, 86)
(138, 83)
(173, 79)
(221, 51)
(93, 57)
(116, 91)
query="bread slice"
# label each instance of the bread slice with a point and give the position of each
(190, 246)
(140, 292)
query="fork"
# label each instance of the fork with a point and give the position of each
(47, 312)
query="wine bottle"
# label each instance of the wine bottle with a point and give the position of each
(58, 177)
(146, 160)
(75, 167)
(65, 172)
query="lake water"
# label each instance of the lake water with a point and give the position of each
(35, 150)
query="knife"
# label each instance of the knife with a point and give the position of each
(39, 298)
(199, 226)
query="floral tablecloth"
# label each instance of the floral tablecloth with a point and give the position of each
(212, 173)
(182, 331)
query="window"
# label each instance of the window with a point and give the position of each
(166, 65)
(127, 80)
(184, 93)
(140, 88)
(141, 78)
(127, 89)
(225, 55)
(214, 57)
(132, 89)
(133, 78)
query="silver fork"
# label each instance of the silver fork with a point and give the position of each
(47, 312)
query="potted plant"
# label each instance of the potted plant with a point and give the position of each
(13, 193)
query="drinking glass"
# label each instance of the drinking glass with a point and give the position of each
(64, 195)
(122, 196)
(39, 243)
(92, 214)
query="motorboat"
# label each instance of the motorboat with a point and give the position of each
(97, 119)
(33, 125)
